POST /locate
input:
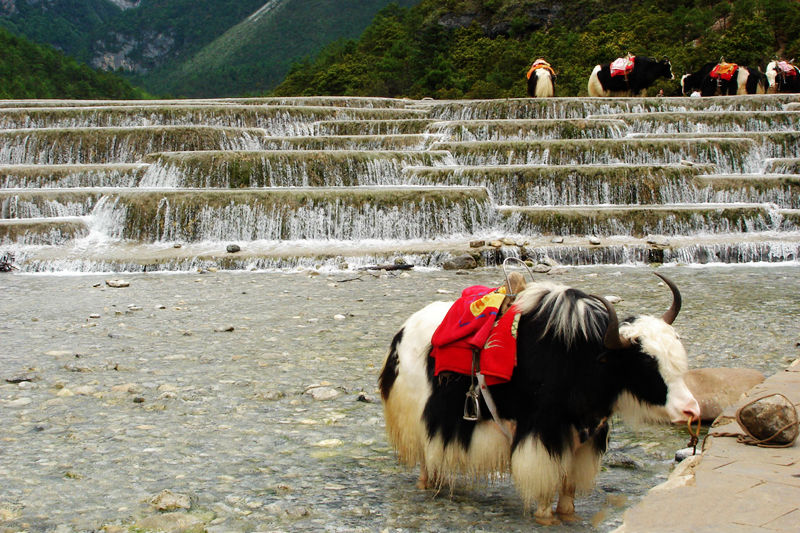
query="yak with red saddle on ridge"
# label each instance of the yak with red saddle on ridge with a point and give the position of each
(724, 79)
(628, 76)
(783, 77)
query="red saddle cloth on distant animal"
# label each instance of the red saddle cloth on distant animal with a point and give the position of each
(724, 71)
(471, 323)
(622, 65)
(787, 68)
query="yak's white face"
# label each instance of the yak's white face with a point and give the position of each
(660, 340)
(671, 74)
(772, 72)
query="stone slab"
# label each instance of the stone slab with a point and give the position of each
(731, 487)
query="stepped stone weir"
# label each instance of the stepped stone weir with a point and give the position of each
(704, 121)
(340, 182)
(56, 146)
(771, 144)
(43, 231)
(560, 185)
(102, 175)
(780, 189)
(284, 168)
(535, 129)
(787, 165)
(341, 213)
(729, 154)
(278, 120)
(639, 221)
(293, 101)
(561, 108)
(399, 126)
(347, 142)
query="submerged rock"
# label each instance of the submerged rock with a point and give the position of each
(621, 460)
(684, 453)
(323, 393)
(465, 261)
(117, 283)
(166, 500)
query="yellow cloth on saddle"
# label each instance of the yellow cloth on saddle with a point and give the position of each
(540, 63)
(724, 71)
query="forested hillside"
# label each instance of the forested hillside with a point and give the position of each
(197, 48)
(28, 70)
(482, 49)
(256, 54)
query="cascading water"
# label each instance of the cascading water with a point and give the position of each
(334, 180)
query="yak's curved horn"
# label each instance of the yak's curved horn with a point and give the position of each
(612, 339)
(674, 309)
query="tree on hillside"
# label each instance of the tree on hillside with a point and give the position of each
(28, 70)
(471, 49)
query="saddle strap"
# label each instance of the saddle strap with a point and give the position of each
(487, 397)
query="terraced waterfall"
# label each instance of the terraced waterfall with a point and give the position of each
(341, 183)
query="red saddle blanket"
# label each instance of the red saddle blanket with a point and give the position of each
(471, 323)
(724, 71)
(622, 65)
(787, 68)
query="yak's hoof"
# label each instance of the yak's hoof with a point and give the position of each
(569, 518)
(547, 520)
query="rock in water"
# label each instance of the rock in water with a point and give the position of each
(323, 393)
(684, 453)
(233, 248)
(465, 262)
(166, 500)
(771, 417)
(117, 283)
(718, 388)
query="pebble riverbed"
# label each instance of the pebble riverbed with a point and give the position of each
(110, 395)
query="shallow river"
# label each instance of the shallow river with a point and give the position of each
(110, 395)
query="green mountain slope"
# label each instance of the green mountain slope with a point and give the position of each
(482, 49)
(256, 54)
(141, 38)
(68, 25)
(28, 70)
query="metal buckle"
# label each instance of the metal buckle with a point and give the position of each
(472, 407)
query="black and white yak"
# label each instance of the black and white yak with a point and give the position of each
(783, 77)
(576, 366)
(644, 72)
(742, 80)
(541, 80)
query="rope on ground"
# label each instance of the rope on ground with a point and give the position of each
(751, 439)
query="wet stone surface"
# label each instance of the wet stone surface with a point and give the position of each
(109, 396)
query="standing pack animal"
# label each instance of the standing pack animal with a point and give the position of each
(541, 80)
(633, 80)
(575, 367)
(783, 77)
(722, 79)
